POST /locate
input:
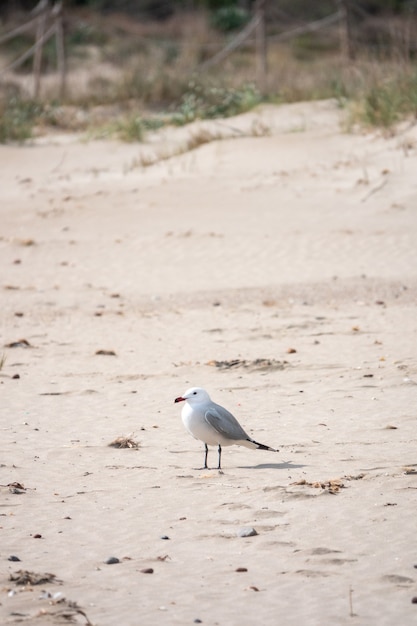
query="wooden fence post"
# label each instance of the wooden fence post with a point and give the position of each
(42, 9)
(261, 46)
(346, 39)
(60, 48)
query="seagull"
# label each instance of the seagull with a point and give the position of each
(213, 424)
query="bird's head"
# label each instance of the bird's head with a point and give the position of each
(195, 395)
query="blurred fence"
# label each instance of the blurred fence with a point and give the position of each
(46, 21)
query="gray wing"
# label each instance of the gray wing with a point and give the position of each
(224, 422)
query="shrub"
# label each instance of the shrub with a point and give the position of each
(208, 102)
(229, 18)
(17, 118)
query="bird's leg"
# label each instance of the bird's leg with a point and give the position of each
(220, 456)
(205, 456)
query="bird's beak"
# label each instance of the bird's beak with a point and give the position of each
(180, 399)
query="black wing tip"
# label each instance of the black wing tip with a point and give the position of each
(261, 446)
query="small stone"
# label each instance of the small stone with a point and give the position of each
(147, 570)
(165, 537)
(112, 560)
(414, 600)
(13, 558)
(198, 621)
(15, 377)
(241, 569)
(45, 595)
(246, 531)
(21, 343)
(58, 596)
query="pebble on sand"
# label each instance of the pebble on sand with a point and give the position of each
(112, 560)
(246, 531)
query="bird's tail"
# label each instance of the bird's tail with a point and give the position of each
(251, 443)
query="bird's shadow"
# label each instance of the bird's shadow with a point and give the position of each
(281, 466)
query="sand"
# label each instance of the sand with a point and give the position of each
(280, 273)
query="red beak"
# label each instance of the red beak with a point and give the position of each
(179, 399)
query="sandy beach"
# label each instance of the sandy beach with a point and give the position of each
(277, 268)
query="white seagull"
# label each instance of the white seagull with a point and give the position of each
(213, 424)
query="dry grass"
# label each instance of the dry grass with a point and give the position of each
(136, 70)
(124, 442)
(197, 137)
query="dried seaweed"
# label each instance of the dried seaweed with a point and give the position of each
(332, 486)
(256, 364)
(124, 442)
(24, 577)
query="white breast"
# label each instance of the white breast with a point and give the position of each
(194, 421)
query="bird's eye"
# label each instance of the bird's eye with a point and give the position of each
(194, 393)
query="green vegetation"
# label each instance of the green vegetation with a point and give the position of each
(17, 118)
(229, 18)
(199, 102)
(384, 105)
(128, 77)
(134, 127)
(383, 100)
(208, 102)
